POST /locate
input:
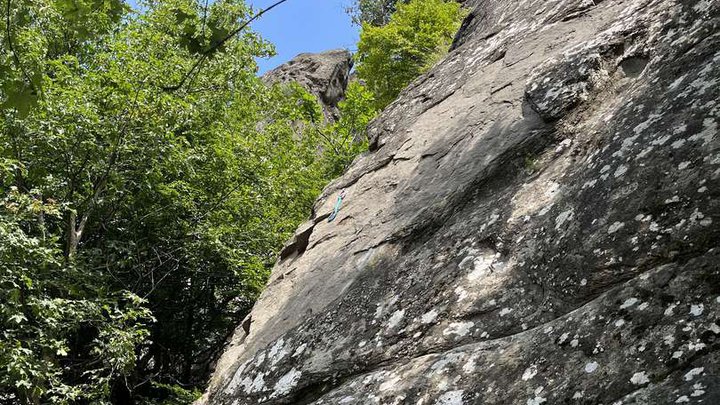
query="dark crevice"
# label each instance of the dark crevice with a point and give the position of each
(634, 65)
(519, 60)
(374, 246)
(460, 35)
(311, 392)
(301, 239)
(437, 101)
(323, 239)
(575, 15)
(498, 55)
(378, 166)
(246, 324)
(504, 86)
(442, 153)
(490, 35)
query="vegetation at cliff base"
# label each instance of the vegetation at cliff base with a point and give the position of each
(148, 179)
(416, 36)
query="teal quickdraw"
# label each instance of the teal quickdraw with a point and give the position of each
(338, 203)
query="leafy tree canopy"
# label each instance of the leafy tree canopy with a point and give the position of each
(373, 12)
(139, 218)
(417, 35)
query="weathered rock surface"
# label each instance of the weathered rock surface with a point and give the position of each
(323, 74)
(537, 223)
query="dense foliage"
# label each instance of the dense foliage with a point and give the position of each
(417, 35)
(47, 307)
(347, 137)
(148, 178)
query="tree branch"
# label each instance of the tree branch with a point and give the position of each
(218, 44)
(12, 48)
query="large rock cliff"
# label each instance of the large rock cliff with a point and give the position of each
(537, 222)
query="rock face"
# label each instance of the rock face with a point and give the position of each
(537, 222)
(323, 74)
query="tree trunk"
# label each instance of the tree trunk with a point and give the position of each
(74, 234)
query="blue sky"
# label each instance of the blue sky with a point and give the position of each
(298, 26)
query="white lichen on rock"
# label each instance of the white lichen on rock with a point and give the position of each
(529, 372)
(591, 367)
(395, 319)
(693, 373)
(640, 378)
(458, 328)
(450, 398)
(286, 383)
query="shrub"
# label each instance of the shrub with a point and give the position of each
(417, 35)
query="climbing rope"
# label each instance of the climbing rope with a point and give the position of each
(337, 206)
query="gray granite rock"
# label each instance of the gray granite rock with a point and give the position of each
(323, 74)
(537, 223)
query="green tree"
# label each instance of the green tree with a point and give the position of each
(55, 321)
(373, 12)
(347, 137)
(147, 174)
(418, 34)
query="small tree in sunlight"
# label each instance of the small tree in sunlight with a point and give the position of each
(418, 34)
(349, 133)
